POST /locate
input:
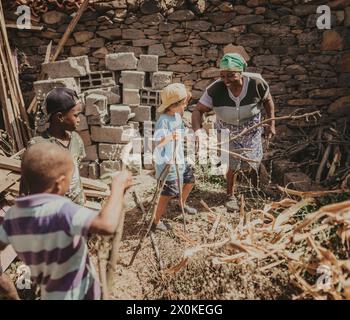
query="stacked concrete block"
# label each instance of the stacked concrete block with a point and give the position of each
(148, 63)
(84, 169)
(94, 170)
(119, 103)
(83, 125)
(108, 134)
(150, 97)
(100, 120)
(142, 113)
(120, 115)
(121, 61)
(43, 87)
(133, 79)
(72, 67)
(111, 93)
(95, 106)
(108, 151)
(91, 153)
(131, 96)
(96, 80)
(85, 136)
(161, 79)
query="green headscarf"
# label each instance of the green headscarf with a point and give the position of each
(232, 62)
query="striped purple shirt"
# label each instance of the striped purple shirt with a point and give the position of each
(49, 232)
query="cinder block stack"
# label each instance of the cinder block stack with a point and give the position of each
(118, 104)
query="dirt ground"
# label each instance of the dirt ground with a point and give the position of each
(199, 279)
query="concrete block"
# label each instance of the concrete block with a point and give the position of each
(84, 169)
(95, 105)
(150, 97)
(94, 170)
(120, 114)
(121, 61)
(72, 67)
(110, 167)
(43, 87)
(108, 151)
(131, 96)
(161, 79)
(83, 125)
(91, 153)
(85, 136)
(108, 134)
(111, 93)
(142, 113)
(133, 79)
(148, 63)
(100, 120)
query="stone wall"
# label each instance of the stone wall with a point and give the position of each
(305, 66)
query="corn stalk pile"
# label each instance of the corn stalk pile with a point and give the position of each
(319, 148)
(281, 234)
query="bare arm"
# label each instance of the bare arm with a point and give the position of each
(197, 116)
(269, 106)
(108, 219)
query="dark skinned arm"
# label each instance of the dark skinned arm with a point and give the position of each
(269, 106)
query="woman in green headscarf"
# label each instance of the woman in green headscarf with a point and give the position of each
(237, 99)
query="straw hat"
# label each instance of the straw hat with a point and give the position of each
(171, 94)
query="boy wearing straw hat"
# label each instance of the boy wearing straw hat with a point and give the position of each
(169, 132)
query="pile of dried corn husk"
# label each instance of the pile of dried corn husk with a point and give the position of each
(278, 235)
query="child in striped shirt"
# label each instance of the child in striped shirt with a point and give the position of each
(48, 231)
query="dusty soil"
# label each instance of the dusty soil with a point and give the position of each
(199, 279)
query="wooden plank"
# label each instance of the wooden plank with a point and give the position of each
(94, 184)
(10, 164)
(96, 193)
(13, 79)
(8, 179)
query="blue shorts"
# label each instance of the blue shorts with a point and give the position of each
(171, 188)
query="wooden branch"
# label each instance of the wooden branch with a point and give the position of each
(179, 186)
(70, 29)
(139, 203)
(311, 194)
(116, 242)
(159, 188)
(264, 122)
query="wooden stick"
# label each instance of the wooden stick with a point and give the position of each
(179, 186)
(70, 29)
(311, 193)
(159, 188)
(264, 122)
(139, 203)
(116, 242)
